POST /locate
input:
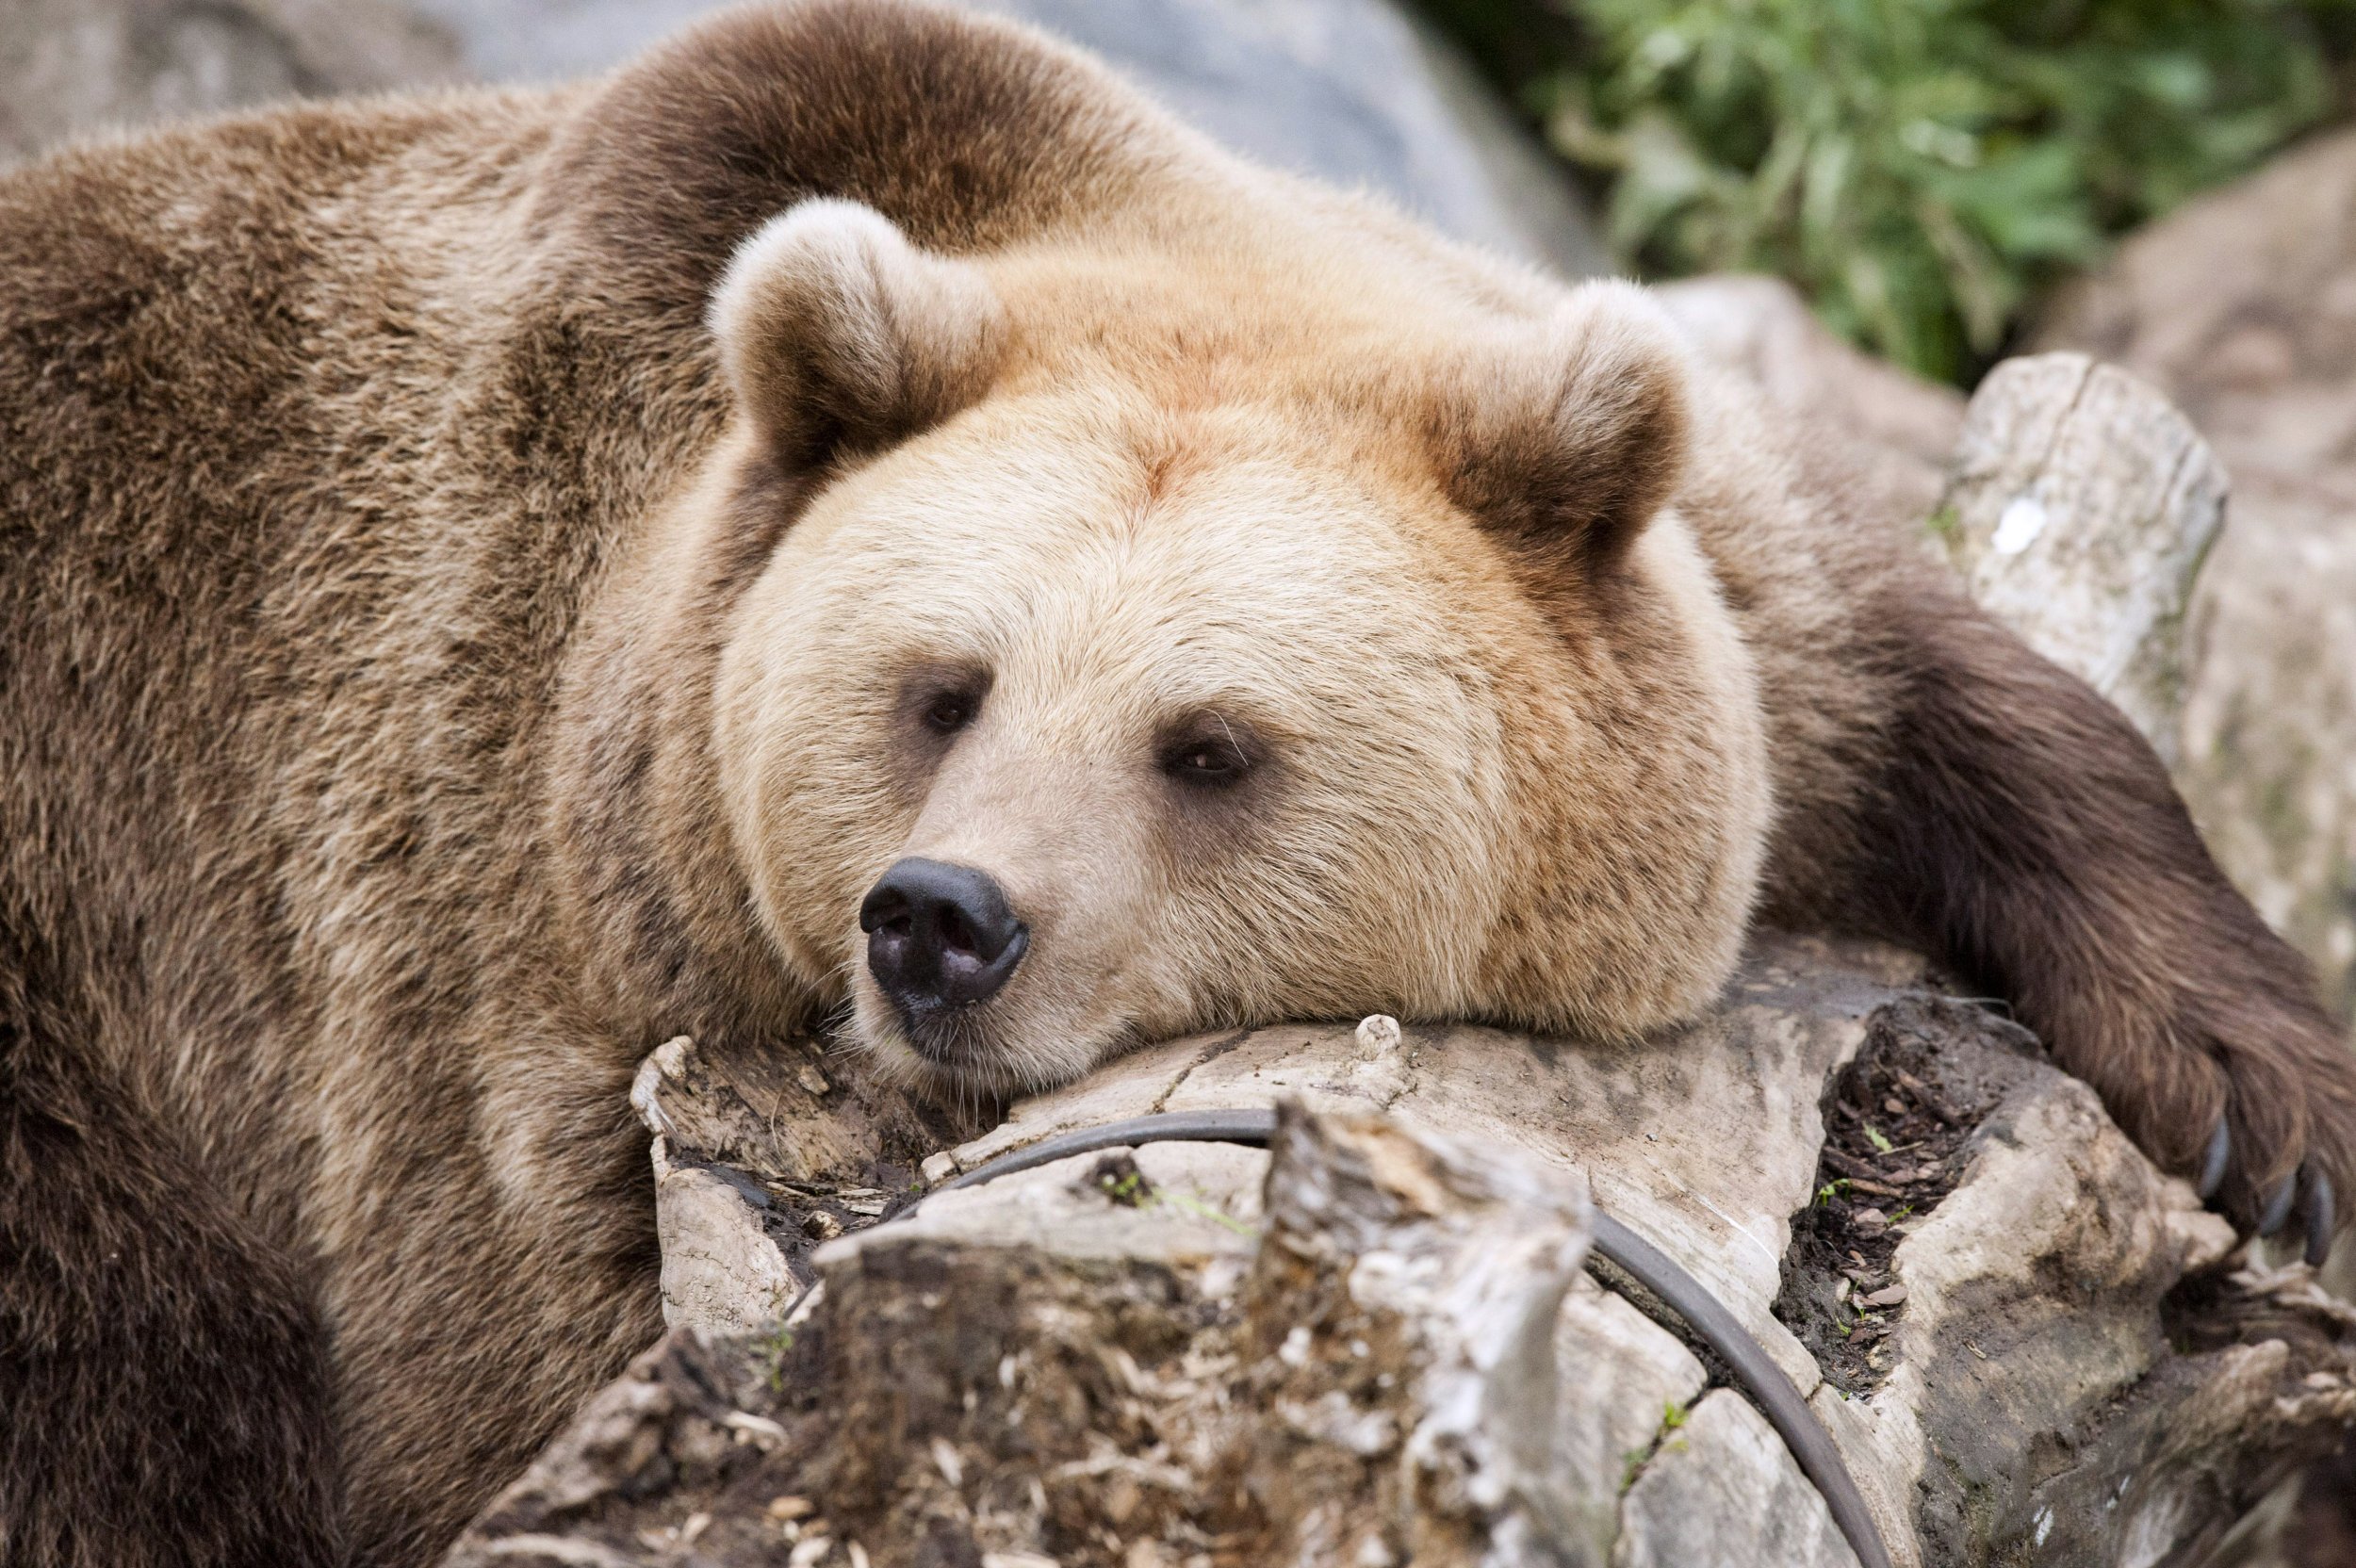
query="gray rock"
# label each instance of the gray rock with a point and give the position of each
(1623, 1376)
(2270, 715)
(1352, 91)
(2241, 307)
(1891, 434)
(74, 67)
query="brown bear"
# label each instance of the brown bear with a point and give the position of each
(859, 518)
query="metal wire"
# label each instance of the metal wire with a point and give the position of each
(1712, 1324)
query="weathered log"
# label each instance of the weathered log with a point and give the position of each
(2080, 508)
(2031, 1356)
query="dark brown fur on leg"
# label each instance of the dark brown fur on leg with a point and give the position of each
(2027, 834)
(163, 1377)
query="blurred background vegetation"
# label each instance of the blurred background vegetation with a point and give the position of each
(1922, 169)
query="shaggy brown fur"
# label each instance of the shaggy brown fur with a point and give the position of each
(373, 519)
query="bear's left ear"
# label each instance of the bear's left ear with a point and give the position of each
(839, 337)
(1567, 441)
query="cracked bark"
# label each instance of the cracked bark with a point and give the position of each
(1379, 1342)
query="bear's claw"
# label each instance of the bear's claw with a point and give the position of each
(2319, 1213)
(2278, 1210)
(2307, 1191)
(2214, 1162)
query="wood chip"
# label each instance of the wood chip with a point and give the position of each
(1848, 1164)
(946, 1460)
(1931, 1102)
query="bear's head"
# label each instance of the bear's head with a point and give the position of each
(1187, 636)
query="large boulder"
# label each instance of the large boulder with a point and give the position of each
(2241, 307)
(76, 67)
(1889, 434)
(1353, 91)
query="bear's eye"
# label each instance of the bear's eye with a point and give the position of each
(1213, 758)
(947, 713)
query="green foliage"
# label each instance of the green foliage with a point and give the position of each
(1919, 168)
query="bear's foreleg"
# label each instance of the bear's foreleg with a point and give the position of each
(163, 1372)
(2027, 834)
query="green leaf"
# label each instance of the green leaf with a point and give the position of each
(1921, 169)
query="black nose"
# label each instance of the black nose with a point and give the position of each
(940, 936)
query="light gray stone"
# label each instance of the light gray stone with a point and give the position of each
(1889, 434)
(1352, 91)
(720, 1271)
(2241, 307)
(72, 68)
(1621, 1374)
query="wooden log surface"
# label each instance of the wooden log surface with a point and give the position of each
(2054, 1366)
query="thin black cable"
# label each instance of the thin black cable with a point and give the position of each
(1717, 1327)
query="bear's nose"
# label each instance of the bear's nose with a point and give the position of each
(940, 936)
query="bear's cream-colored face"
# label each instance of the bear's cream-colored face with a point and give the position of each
(1086, 707)
(1201, 716)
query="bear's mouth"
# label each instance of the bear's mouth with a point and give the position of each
(950, 1038)
(984, 1048)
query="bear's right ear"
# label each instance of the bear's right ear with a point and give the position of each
(839, 337)
(1565, 442)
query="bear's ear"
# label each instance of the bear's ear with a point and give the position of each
(839, 337)
(1567, 442)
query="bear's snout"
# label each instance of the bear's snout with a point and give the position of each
(940, 936)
